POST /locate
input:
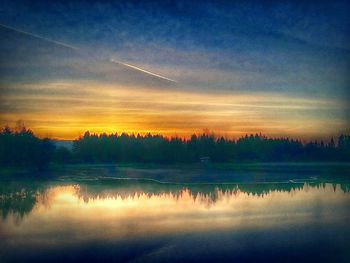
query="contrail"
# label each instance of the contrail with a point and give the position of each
(76, 48)
(142, 70)
(40, 37)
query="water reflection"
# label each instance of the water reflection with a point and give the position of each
(150, 199)
(70, 215)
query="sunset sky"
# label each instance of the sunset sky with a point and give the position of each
(176, 68)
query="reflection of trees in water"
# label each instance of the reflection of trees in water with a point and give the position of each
(19, 198)
(345, 187)
(127, 190)
(22, 201)
(18, 203)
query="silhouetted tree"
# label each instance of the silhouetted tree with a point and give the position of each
(23, 148)
(159, 149)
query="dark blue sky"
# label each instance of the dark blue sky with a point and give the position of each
(288, 48)
(275, 46)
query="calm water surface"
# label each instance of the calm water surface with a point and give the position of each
(114, 219)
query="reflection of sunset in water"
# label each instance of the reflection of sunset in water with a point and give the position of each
(64, 208)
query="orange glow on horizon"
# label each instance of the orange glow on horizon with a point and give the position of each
(65, 110)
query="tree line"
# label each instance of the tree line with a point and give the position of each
(23, 148)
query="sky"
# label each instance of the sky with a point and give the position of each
(176, 67)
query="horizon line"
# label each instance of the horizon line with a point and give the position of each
(209, 133)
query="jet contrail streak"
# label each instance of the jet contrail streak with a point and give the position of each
(76, 48)
(142, 70)
(40, 37)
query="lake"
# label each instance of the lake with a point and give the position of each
(238, 213)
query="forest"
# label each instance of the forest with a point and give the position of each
(22, 148)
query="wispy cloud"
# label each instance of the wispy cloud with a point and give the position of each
(39, 37)
(52, 107)
(142, 70)
(231, 67)
(78, 49)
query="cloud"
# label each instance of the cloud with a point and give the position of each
(78, 49)
(284, 50)
(99, 106)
